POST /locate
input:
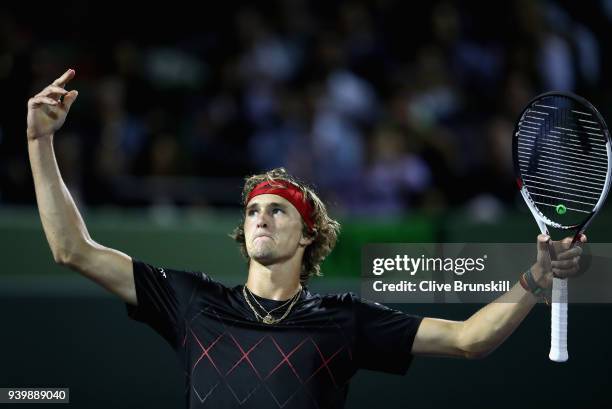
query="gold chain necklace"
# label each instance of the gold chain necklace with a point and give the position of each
(272, 310)
(268, 319)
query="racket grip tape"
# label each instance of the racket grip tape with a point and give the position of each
(558, 327)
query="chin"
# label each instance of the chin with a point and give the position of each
(262, 256)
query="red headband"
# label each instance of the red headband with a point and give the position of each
(288, 191)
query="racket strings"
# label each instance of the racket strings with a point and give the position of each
(563, 158)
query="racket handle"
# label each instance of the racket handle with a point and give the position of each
(558, 324)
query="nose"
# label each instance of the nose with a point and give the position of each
(262, 220)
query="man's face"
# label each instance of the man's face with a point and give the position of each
(272, 229)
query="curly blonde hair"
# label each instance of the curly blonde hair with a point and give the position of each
(325, 229)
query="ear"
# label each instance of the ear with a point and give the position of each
(308, 238)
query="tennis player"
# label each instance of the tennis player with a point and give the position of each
(270, 343)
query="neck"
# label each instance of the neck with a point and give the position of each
(276, 281)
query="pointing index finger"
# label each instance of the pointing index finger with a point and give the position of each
(63, 80)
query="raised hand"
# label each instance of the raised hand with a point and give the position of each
(47, 110)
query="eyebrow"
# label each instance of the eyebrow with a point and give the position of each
(273, 204)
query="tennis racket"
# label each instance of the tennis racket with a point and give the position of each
(562, 162)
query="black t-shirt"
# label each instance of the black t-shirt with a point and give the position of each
(231, 360)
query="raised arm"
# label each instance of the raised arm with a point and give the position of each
(489, 327)
(64, 228)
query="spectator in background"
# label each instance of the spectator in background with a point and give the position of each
(299, 85)
(396, 178)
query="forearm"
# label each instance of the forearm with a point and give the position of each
(484, 331)
(63, 225)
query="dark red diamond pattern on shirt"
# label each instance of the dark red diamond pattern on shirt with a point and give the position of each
(251, 362)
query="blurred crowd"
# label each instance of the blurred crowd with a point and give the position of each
(386, 107)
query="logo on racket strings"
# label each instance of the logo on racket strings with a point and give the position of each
(561, 209)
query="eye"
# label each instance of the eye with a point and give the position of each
(251, 212)
(277, 210)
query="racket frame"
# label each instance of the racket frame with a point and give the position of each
(558, 351)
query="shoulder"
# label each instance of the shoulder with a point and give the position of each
(334, 299)
(166, 272)
(349, 300)
(173, 277)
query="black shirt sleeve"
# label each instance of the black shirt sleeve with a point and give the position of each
(163, 296)
(384, 337)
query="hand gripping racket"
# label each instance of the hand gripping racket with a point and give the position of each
(561, 152)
